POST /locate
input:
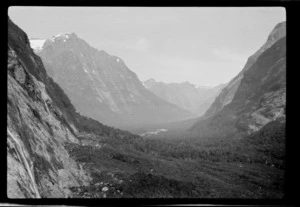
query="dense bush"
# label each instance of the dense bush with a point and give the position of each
(267, 146)
(149, 185)
(269, 143)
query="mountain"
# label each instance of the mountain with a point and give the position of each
(101, 86)
(37, 44)
(54, 152)
(228, 93)
(41, 125)
(256, 96)
(184, 95)
(209, 95)
(36, 127)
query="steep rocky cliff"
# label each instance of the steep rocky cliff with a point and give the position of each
(256, 96)
(42, 124)
(229, 91)
(100, 85)
(209, 95)
(38, 163)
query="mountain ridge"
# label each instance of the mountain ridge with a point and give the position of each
(113, 93)
(255, 96)
(37, 127)
(54, 152)
(184, 94)
(229, 91)
(42, 123)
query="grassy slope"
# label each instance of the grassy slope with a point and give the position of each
(240, 168)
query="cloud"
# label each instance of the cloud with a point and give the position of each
(137, 44)
(181, 68)
(141, 44)
(227, 54)
(180, 62)
(197, 71)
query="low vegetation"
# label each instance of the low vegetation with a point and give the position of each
(247, 167)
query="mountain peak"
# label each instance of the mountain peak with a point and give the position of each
(151, 80)
(280, 25)
(186, 83)
(65, 35)
(37, 44)
(203, 87)
(278, 32)
(149, 83)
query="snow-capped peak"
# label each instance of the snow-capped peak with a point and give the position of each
(64, 36)
(37, 44)
(60, 35)
(150, 80)
(149, 83)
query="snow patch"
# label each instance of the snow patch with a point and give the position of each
(37, 44)
(85, 69)
(144, 85)
(60, 35)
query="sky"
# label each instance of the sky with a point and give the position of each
(205, 46)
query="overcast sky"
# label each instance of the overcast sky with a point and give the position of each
(205, 46)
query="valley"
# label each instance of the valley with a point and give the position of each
(161, 168)
(81, 124)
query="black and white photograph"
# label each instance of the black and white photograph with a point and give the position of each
(146, 102)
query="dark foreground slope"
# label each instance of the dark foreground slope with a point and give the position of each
(53, 152)
(186, 168)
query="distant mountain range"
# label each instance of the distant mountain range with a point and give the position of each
(101, 86)
(256, 96)
(195, 99)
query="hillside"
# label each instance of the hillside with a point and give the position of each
(101, 86)
(185, 95)
(54, 152)
(256, 96)
(41, 122)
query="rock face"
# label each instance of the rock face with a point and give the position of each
(101, 86)
(256, 96)
(229, 91)
(43, 129)
(38, 163)
(185, 95)
(209, 95)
